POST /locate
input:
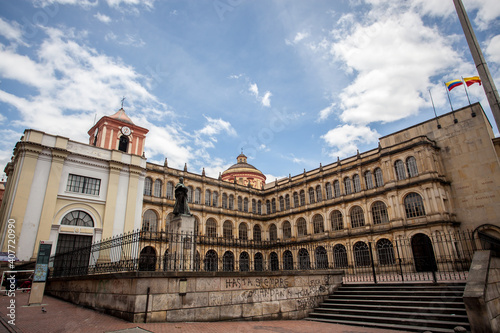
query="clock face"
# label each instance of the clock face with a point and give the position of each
(126, 130)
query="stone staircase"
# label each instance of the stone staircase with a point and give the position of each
(407, 307)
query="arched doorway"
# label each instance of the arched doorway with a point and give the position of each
(423, 253)
(147, 259)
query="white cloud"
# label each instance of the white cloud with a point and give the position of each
(103, 18)
(254, 89)
(394, 59)
(92, 3)
(346, 138)
(216, 126)
(266, 99)
(326, 112)
(12, 31)
(263, 100)
(298, 37)
(492, 50)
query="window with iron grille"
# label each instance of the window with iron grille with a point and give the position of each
(357, 183)
(244, 262)
(85, 185)
(399, 166)
(258, 261)
(357, 217)
(385, 252)
(361, 254)
(228, 261)
(211, 261)
(149, 221)
(301, 227)
(304, 259)
(274, 261)
(227, 230)
(287, 230)
(287, 260)
(368, 180)
(339, 256)
(336, 220)
(379, 179)
(411, 166)
(414, 205)
(321, 258)
(211, 228)
(318, 224)
(243, 231)
(379, 213)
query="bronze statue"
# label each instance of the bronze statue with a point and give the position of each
(181, 199)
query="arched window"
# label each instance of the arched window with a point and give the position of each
(318, 224)
(123, 144)
(411, 166)
(259, 207)
(224, 200)
(295, 199)
(240, 204)
(357, 183)
(319, 196)
(211, 228)
(361, 254)
(197, 196)
(336, 220)
(302, 198)
(149, 220)
(254, 206)
(287, 230)
(379, 213)
(414, 205)
(268, 207)
(170, 190)
(211, 261)
(273, 233)
(336, 189)
(244, 262)
(347, 185)
(166, 261)
(148, 184)
(368, 180)
(282, 203)
(208, 197)
(287, 201)
(321, 258)
(357, 217)
(329, 192)
(190, 194)
(273, 205)
(257, 233)
(231, 202)
(215, 199)
(399, 166)
(275, 264)
(228, 261)
(385, 252)
(301, 227)
(379, 179)
(304, 260)
(227, 230)
(245, 205)
(243, 231)
(258, 262)
(339, 256)
(78, 218)
(158, 188)
(287, 260)
(311, 195)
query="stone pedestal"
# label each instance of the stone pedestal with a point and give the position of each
(182, 246)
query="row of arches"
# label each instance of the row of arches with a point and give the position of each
(334, 189)
(340, 256)
(356, 217)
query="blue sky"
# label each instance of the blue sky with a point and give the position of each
(292, 83)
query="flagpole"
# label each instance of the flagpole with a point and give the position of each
(465, 84)
(451, 106)
(439, 126)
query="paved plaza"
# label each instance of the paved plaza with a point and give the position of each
(60, 317)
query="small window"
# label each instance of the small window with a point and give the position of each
(319, 196)
(411, 166)
(302, 198)
(379, 179)
(336, 220)
(287, 230)
(170, 190)
(287, 201)
(85, 185)
(211, 228)
(301, 227)
(273, 205)
(329, 193)
(414, 205)
(347, 185)
(311, 195)
(273, 233)
(357, 217)
(78, 218)
(336, 189)
(257, 234)
(399, 166)
(357, 183)
(158, 188)
(208, 197)
(318, 224)
(379, 213)
(243, 231)
(227, 230)
(368, 180)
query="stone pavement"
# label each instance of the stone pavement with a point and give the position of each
(60, 316)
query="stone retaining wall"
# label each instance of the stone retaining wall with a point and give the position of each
(199, 296)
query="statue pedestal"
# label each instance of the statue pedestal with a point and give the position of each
(182, 249)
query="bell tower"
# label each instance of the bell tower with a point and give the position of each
(118, 132)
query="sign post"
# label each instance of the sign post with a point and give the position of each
(41, 273)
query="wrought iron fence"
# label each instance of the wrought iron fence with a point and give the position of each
(435, 258)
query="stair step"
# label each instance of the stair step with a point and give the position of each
(381, 312)
(393, 307)
(384, 325)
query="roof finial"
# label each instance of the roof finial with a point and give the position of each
(123, 99)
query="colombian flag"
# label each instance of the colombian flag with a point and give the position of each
(471, 80)
(452, 84)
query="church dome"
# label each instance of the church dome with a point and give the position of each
(244, 174)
